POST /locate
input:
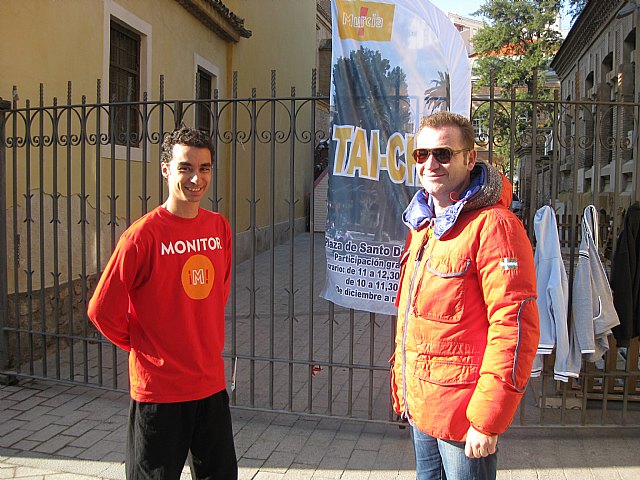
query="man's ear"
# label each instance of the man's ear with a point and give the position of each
(472, 157)
(165, 169)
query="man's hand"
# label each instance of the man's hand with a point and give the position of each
(479, 445)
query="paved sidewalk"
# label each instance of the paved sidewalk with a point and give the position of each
(52, 431)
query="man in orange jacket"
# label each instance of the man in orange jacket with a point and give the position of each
(468, 324)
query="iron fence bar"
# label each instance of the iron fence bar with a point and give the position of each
(332, 312)
(272, 221)
(314, 362)
(233, 220)
(311, 245)
(128, 133)
(83, 235)
(491, 117)
(4, 288)
(16, 232)
(161, 139)
(43, 315)
(215, 201)
(372, 348)
(98, 202)
(112, 213)
(617, 177)
(292, 204)
(29, 220)
(512, 137)
(144, 198)
(596, 167)
(555, 151)
(350, 369)
(393, 326)
(533, 171)
(253, 253)
(69, 165)
(55, 197)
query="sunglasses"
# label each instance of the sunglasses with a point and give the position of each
(441, 154)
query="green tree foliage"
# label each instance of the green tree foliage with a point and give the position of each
(513, 52)
(518, 42)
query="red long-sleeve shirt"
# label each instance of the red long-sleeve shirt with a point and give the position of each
(162, 298)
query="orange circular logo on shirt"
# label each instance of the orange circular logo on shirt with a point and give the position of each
(197, 277)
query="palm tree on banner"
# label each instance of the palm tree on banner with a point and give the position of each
(438, 97)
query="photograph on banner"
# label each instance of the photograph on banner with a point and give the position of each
(393, 62)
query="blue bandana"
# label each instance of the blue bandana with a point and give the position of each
(421, 211)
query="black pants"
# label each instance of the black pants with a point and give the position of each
(161, 435)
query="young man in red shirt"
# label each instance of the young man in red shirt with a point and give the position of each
(162, 298)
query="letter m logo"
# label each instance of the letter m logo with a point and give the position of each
(198, 277)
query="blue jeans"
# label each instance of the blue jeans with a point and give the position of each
(438, 459)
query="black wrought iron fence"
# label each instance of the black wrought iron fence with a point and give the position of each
(75, 175)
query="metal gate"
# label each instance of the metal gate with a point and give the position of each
(75, 175)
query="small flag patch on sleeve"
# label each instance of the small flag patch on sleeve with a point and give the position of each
(509, 264)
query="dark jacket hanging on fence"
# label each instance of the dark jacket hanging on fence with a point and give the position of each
(625, 278)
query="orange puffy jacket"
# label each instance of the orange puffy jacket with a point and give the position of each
(468, 324)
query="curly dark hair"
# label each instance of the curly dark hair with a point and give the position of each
(189, 137)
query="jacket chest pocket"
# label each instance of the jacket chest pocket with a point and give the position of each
(440, 292)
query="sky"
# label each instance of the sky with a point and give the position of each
(462, 7)
(467, 7)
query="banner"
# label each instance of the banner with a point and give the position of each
(393, 62)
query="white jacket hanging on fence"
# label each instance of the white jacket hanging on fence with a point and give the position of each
(553, 297)
(592, 306)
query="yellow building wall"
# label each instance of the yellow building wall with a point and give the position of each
(57, 41)
(283, 39)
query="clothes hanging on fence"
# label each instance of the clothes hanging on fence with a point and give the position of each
(625, 278)
(553, 297)
(592, 306)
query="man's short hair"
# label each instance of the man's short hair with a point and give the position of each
(189, 137)
(448, 119)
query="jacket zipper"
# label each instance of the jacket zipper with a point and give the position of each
(405, 412)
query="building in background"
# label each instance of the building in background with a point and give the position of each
(93, 52)
(468, 28)
(596, 64)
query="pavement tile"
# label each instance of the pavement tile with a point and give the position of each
(26, 445)
(43, 421)
(332, 466)
(29, 403)
(310, 455)
(71, 452)
(33, 413)
(9, 426)
(261, 449)
(356, 475)
(46, 433)
(20, 394)
(278, 462)
(341, 447)
(80, 427)
(362, 459)
(54, 444)
(13, 437)
(262, 475)
(103, 449)
(292, 443)
(72, 418)
(299, 472)
(89, 438)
